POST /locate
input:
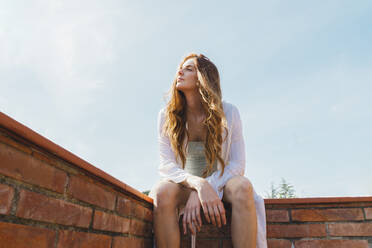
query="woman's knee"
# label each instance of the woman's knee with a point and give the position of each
(243, 191)
(164, 194)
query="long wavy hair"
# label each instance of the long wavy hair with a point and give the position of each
(175, 113)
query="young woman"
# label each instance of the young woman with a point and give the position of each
(202, 162)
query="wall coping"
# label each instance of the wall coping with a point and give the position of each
(28, 134)
(314, 200)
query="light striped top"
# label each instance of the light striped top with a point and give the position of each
(195, 159)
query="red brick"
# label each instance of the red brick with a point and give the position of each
(43, 157)
(227, 243)
(296, 230)
(128, 242)
(72, 239)
(350, 229)
(89, 192)
(26, 168)
(334, 243)
(277, 216)
(149, 242)
(139, 211)
(340, 214)
(186, 242)
(148, 215)
(40, 207)
(15, 144)
(21, 236)
(207, 243)
(210, 231)
(368, 212)
(6, 196)
(110, 222)
(125, 206)
(278, 243)
(141, 228)
(356, 204)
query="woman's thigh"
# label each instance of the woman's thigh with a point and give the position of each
(169, 191)
(234, 186)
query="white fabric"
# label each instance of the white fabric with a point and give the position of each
(233, 151)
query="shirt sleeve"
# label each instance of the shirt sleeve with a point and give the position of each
(236, 158)
(168, 168)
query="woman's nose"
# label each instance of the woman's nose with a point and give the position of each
(180, 72)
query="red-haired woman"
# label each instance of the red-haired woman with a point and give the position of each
(202, 161)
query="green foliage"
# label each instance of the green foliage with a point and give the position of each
(146, 192)
(284, 190)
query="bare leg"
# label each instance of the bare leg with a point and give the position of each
(239, 192)
(167, 197)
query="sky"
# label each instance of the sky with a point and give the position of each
(91, 77)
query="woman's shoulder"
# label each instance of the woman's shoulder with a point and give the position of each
(228, 107)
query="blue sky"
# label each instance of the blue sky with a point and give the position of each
(91, 75)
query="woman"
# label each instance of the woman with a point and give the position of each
(202, 161)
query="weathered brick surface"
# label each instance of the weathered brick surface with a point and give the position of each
(341, 214)
(141, 228)
(148, 215)
(185, 242)
(21, 166)
(110, 222)
(125, 206)
(6, 196)
(72, 239)
(296, 230)
(129, 242)
(350, 229)
(277, 216)
(336, 243)
(20, 236)
(227, 243)
(82, 189)
(368, 212)
(16, 144)
(202, 243)
(44, 157)
(139, 211)
(279, 243)
(209, 231)
(36, 206)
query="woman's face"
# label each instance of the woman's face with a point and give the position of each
(186, 76)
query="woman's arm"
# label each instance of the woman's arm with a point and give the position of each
(236, 163)
(168, 167)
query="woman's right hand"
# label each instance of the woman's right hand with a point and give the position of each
(212, 205)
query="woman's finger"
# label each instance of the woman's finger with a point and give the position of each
(198, 216)
(222, 212)
(211, 214)
(184, 223)
(206, 212)
(218, 216)
(189, 223)
(194, 222)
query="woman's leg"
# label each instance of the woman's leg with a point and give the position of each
(239, 192)
(167, 197)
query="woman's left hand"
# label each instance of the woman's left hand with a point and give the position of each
(192, 213)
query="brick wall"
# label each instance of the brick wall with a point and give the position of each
(50, 198)
(330, 222)
(336, 222)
